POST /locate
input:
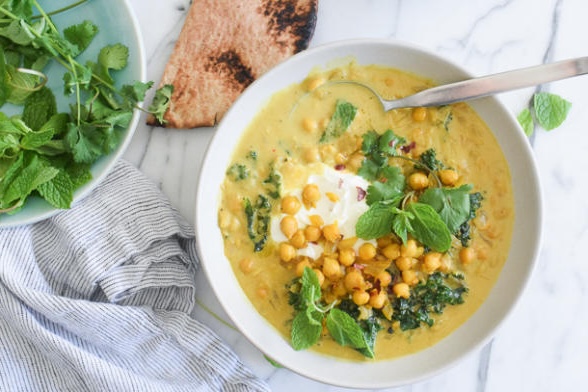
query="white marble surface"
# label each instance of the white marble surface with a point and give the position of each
(543, 346)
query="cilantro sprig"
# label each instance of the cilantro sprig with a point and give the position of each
(43, 151)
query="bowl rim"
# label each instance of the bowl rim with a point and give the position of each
(101, 168)
(528, 196)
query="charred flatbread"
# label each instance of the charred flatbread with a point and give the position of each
(224, 45)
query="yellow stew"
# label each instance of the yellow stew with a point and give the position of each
(365, 234)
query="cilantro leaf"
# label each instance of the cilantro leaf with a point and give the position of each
(81, 35)
(114, 56)
(161, 102)
(340, 120)
(391, 186)
(452, 204)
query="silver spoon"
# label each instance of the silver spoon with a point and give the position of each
(487, 85)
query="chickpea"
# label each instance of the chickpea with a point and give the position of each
(432, 262)
(315, 83)
(392, 251)
(402, 290)
(404, 263)
(467, 255)
(355, 161)
(410, 277)
(378, 299)
(301, 265)
(347, 257)
(418, 181)
(331, 232)
(419, 114)
(331, 268)
(289, 226)
(354, 280)
(246, 265)
(298, 240)
(360, 297)
(310, 195)
(347, 243)
(316, 220)
(290, 205)
(338, 289)
(366, 251)
(312, 233)
(410, 249)
(448, 177)
(262, 292)
(311, 154)
(319, 275)
(383, 242)
(287, 252)
(384, 278)
(309, 125)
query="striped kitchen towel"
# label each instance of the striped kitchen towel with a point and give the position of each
(99, 298)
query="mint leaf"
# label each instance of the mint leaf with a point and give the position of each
(550, 109)
(525, 119)
(311, 288)
(306, 331)
(29, 174)
(401, 224)
(345, 330)
(340, 121)
(4, 87)
(376, 222)
(39, 107)
(428, 227)
(452, 204)
(58, 191)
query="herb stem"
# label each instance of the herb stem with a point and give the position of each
(60, 10)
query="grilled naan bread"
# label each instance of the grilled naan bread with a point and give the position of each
(223, 47)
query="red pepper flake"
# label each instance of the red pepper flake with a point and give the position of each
(360, 193)
(340, 167)
(408, 147)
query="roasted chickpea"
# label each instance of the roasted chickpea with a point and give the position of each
(366, 251)
(287, 252)
(404, 263)
(360, 297)
(384, 278)
(331, 232)
(290, 205)
(312, 233)
(418, 181)
(448, 177)
(378, 299)
(392, 251)
(419, 114)
(298, 240)
(301, 265)
(347, 257)
(432, 262)
(354, 280)
(410, 277)
(467, 255)
(310, 195)
(289, 226)
(319, 275)
(402, 290)
(331, 268)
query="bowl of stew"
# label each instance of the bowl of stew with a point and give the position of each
(364, 248)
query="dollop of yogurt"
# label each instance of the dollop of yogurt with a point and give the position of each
(342, 201)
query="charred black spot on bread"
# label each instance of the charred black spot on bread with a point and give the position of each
(230, 63)
(287, 16)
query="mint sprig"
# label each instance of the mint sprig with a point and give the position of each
(547, 110)
(307, 324)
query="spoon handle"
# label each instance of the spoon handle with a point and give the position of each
(492, 84)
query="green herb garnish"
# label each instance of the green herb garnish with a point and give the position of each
(547, 110)
(340, 121)
(307, 324)
(258, 221)
(42, 151)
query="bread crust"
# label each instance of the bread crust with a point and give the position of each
(224, 45)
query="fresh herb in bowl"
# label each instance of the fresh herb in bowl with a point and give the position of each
(43, 151)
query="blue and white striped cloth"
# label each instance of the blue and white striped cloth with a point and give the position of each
(99, 297)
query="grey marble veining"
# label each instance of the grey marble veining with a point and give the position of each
(543, 346)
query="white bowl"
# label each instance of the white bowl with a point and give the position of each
(468, 338)
(117, 24)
